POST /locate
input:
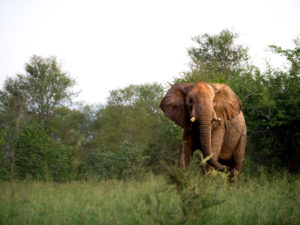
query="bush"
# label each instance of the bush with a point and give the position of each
(128, 162)
(40, 157)
(4, 174)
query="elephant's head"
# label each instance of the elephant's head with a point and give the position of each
(201, 103)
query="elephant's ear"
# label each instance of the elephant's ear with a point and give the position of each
(173, 104)
(228, 104)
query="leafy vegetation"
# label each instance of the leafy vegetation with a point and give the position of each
(44, 158)
(120, 158)
(42, 131)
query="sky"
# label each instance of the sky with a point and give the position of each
(107, 45)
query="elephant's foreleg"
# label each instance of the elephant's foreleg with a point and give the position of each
(208, 168)
(217, 137)
(216, 145)
(186, 151)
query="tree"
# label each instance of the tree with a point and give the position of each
(215, 58)
(271, 104)
(292, 55)
(129, 115)
(285, 114)
(13, 110)
(36, 95)
(75, 128)
(47, 87)
(132, 120)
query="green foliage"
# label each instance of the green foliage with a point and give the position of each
(129, 162)
(292, 55)
(40, 157)
(12, 113)
(47, 87)
(216, 58)
(102, 141)
(60, 160)
(3, 161)
(4, 174)
(37, 95)
(132, 115)
(129, 111)
(219, 51)
(271, 103)
(31, 151)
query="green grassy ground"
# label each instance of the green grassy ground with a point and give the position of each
(209, 200)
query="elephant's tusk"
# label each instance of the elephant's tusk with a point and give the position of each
(193, 119)
(217, 118)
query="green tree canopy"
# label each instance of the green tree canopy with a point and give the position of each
(215, 58)
(47, 87)
(37, 95)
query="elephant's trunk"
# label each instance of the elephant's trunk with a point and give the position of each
(205, 138)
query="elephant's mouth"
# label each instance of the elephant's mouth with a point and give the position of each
(193, 119)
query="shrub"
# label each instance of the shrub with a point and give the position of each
(40, 157)
(129, 161)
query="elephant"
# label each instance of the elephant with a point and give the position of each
(213, 121)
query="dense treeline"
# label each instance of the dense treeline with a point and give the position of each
(45, 136)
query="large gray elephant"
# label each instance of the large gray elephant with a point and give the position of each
(213, 121)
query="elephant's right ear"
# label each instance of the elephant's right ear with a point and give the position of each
(173, 104)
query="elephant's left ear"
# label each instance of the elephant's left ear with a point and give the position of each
(228, 104)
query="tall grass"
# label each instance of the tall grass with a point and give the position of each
(266, 199)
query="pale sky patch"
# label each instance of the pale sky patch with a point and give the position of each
(107, 45)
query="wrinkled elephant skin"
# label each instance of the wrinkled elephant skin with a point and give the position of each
(213, 121)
